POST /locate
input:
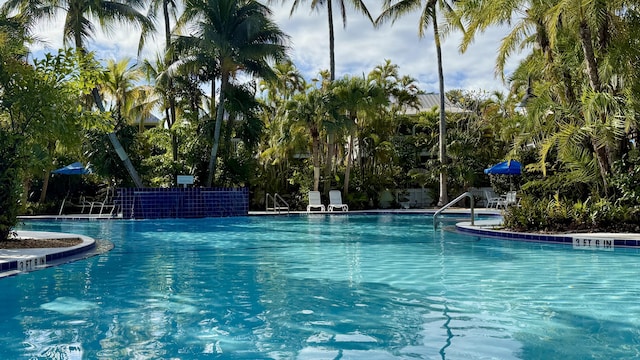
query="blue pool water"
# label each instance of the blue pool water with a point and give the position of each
(320, 287)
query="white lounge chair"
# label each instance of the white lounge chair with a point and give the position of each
(84, 203)
(314, 201)
(492, 199)
(508, 200)
(106, 203)
(335, 201)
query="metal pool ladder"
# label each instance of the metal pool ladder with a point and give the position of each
(278, 203)
(466, 194)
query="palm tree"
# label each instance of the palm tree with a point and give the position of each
(309, 111)
(79, 27)
(119, 84)
(385, 75)
(288, 80)
(529, 28)
(592, 21)
(375, 130)
(357, 97)
(196, 62)
(560, 26)
(394, 10)
(162, 94)
(169, 14)
(80, 13)
(274, 152)
(315, 4)
(80, 16)
(240, 37)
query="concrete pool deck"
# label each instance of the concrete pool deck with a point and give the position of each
(16, 261)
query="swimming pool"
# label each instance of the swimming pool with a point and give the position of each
(320, 287)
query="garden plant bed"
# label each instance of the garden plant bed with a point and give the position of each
(31, 243)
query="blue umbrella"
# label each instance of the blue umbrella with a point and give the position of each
(505, 168)
(73, 169)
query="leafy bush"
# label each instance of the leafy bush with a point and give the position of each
(9, 183)
(560, 215)
(626, 178)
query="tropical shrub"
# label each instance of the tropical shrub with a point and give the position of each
(626, 178)
(562, 215)
(9, 182)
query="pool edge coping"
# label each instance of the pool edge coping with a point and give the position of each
(603, 241)
(20, 261)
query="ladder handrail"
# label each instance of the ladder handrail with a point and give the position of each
(276, 207)
(462, 196)
(277, 197)
(266, 201)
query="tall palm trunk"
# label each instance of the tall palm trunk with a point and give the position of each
(26, 188)
(122, 154)
(360, 151)
(332, 55)
(47, 176)
(117, 146)
(315, 154)
(569, 93)
(442, 153)
(174, 138)
(328, 163)
(566, 79)
(45, 185)
(602, 153)
(347, 171)
(216, 132)
(603, 164)
(171, 113)
(589, 56)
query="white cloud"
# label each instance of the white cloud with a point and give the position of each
(358, 48)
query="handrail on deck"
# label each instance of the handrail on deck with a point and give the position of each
(462, 196)
(278, 203)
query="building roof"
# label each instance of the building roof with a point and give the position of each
(430, 101)
(150, 121)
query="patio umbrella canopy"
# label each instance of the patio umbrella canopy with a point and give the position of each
(72, 169)
(505, 168)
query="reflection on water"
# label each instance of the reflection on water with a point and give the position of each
(68, 305)
(319, 287)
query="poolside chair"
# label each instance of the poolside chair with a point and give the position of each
(508, 200)
(106, 203)
(85, 203)
(492, 199)
(314, 201)
(335, 201)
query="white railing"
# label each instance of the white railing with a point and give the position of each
(466, 194)
(278, 203)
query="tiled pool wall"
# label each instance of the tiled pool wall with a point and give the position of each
(31, 262)
(158, 203)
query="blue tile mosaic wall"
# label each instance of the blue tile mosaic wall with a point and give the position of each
(148, 203)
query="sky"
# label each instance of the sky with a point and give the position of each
(359, 48)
